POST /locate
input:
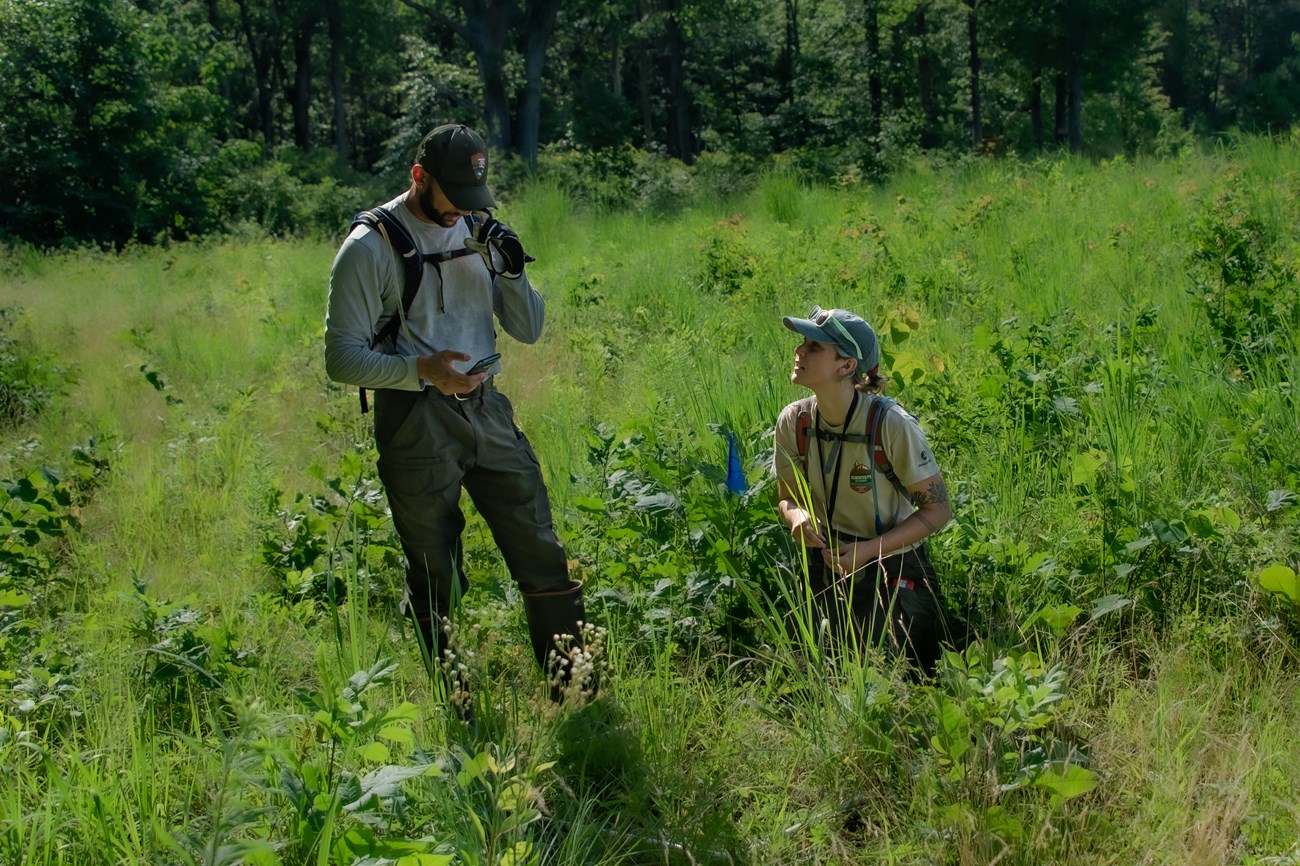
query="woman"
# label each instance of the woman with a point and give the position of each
(861, 491)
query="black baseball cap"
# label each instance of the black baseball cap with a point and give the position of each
(456, 156)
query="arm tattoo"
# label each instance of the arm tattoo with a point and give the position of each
(934, 494)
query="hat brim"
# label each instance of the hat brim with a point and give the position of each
(468, 196)
(813, 331)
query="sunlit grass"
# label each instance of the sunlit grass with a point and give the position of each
(773, 754)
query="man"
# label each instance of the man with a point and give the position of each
(439, 428)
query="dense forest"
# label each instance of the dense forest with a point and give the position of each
(147, 120)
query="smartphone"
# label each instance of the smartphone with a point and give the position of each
(483, 364)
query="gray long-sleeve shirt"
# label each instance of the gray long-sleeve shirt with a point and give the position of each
(365, 291)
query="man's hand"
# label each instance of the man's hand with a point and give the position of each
(500, 248)
(437, 370)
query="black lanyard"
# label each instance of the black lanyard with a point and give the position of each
(837, 454)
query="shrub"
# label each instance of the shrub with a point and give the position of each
(28, 378)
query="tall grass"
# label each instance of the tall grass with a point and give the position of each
(1106, 451)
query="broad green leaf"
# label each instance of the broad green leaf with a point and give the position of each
(1202, 525)
(953, 739)
(1226, 518)
(397, 734)
(426, 860)
(520, 855)
(356, 842)
(1003, 825)
(403, 712)
(1171, 532)
(375, 753)
(1036, 562)
(908, 367)
(1084, 467)
(1069, 782)
(1108, 604)
(512, 796)
(13, 599)
(656, 503)
(589, 504)
(1056, 617)
(1280, 580)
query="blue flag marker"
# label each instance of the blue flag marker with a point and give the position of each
(736, 482)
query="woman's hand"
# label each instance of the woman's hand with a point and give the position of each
(849, 558)
(803, 526)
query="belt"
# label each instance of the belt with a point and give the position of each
(476, 394)
(479, 393)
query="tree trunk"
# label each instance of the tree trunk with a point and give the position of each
(972, 32)
(487, 27)
(486, 30)
(302, 81)
(223, 86)
(1036, 106)
(261, 75)
(897, 50)
(1076, 105)
(1061, 135)
(1075, 45)
(334, 13)
(925, 76)
(875, 88)
(790, 51)
(539, 23)
(616, 63)
(679, 114)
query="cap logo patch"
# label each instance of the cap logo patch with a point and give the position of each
(478, 162)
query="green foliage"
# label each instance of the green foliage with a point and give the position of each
(674, 548)
(29, 379)
(94, 133)
(1249, 293)
(308, 544)
(1125, 538)
(186, 656)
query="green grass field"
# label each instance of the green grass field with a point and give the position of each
(201, 659)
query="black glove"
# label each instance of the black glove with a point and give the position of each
(500, 248)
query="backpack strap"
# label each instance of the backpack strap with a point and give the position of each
(390, 228)
(802, 424)
(879, 459)
(880, 407)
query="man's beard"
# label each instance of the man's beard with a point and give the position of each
(444, 218)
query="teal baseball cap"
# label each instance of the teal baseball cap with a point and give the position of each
(851, 336)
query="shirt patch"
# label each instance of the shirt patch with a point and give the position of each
(860, 478)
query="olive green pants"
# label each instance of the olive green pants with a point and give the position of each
(430, 447)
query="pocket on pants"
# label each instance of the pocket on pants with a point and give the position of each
(419, 477)
(394, 411)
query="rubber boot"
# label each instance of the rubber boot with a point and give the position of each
(553, 626)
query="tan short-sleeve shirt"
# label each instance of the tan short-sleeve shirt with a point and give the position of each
(811, 477)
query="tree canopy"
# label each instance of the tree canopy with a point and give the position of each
(141, 120)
